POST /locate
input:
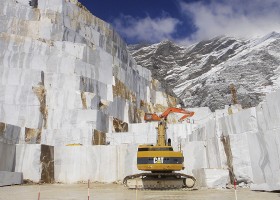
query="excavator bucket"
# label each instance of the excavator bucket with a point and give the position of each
(186, 116)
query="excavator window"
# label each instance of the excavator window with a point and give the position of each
(156, 149)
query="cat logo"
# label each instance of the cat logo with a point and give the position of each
(158, 160)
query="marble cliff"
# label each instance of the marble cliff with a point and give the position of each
(66, 76)
(72, 101)
(66, 72)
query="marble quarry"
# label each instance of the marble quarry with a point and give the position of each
(72, 101)
(65, 73)
(246, 143)
(66, 77)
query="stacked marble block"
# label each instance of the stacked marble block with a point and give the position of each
(8, 176)
(146, 133)
(255, 140)
(36, 161)
(246, 144)
(211, 178)
(110, 163)
(203, 152)
(178, 132)
(95, 163)
(65, 73)
(72, 164)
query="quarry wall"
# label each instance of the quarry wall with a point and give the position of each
(65, 74)
(246, 143)
(66, 78)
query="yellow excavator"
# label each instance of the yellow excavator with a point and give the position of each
(160, 161)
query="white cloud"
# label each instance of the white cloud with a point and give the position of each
(146, 29)
(237, 18)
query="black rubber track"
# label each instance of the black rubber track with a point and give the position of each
(159, 176)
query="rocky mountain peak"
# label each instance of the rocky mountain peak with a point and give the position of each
(200, 75)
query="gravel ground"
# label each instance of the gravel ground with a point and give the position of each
(118, 192)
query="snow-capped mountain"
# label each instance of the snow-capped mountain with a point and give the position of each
(201, 74)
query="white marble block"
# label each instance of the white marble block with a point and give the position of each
(28, 161)
(95, 163)
(211, 178)
(194, 156)
(10, 178)
(127, 160)
(265, 160)
(36, 162)
(244, 121)
(241, 159)
(75, 163)
(7, 156)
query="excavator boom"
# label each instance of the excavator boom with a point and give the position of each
(186, 116)
(154, 117)
(174, 110)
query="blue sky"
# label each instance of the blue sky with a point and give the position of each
(187, 21)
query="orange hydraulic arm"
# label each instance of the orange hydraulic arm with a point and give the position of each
(155, 117)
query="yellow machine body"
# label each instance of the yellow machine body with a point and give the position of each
(159, 159)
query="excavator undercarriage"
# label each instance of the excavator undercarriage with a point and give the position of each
(159, 181)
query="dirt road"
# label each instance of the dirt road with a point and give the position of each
(118, 192)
